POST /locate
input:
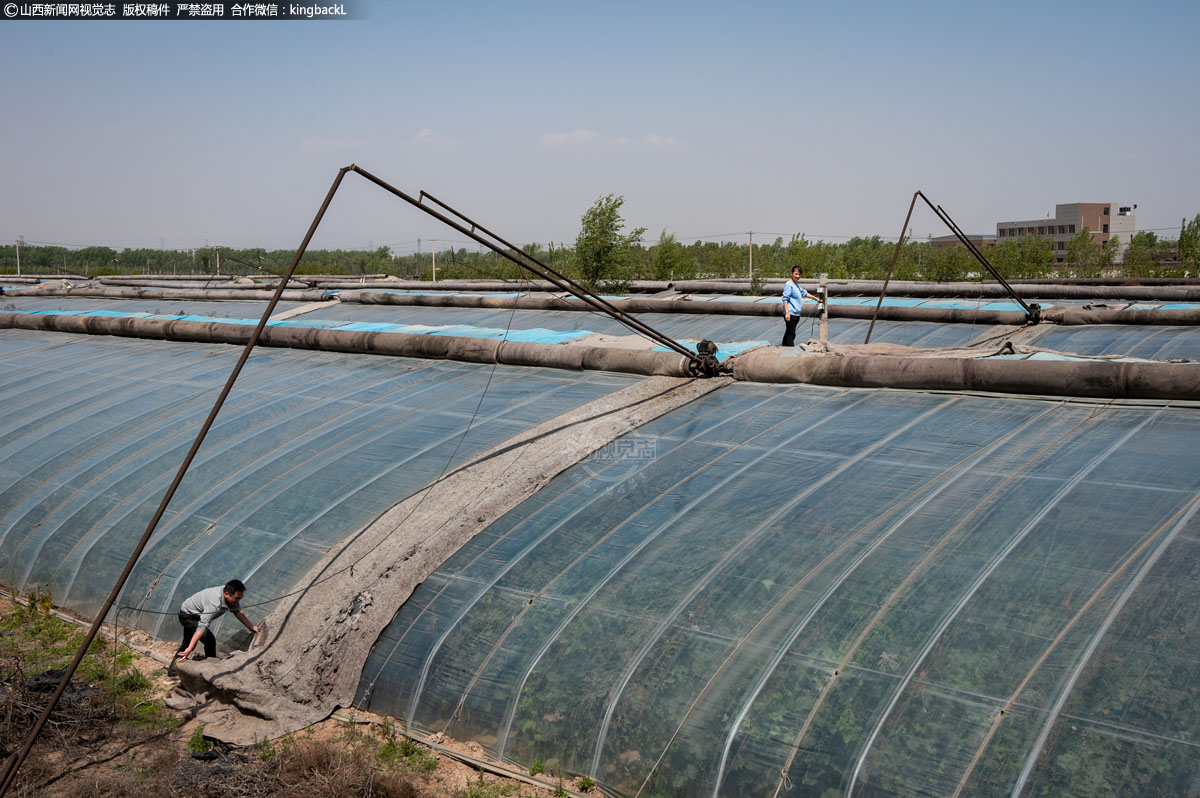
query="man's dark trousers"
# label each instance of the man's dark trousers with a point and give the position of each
(191, 622)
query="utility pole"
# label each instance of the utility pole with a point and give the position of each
(218, 251)
(433, 251)
(18, 257)
(751, 254)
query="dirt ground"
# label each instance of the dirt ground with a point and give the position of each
(100, 744)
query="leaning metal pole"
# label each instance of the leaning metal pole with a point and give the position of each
(305, 283)
(895, 257)
(564, 282)
(1033, 313)
(15, 761)
(702, 364)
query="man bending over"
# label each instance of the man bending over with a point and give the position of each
(201, 609)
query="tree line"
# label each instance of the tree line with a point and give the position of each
(103, 261)
(606, 254)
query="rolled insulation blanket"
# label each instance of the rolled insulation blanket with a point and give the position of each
(241, 295)
(966, 290)
(1169, 316)
(1182, 291)
(1095, 379)
(441, 347)
(218, 284)
(539, 302)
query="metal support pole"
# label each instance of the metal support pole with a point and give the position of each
(305, 283)
(895, 257)
(1033, 313)
(751, 256)
(823, 292)
(529, 263)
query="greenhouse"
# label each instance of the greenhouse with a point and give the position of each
(759, 589)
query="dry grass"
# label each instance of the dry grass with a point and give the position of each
(111, 735)
(324, 767)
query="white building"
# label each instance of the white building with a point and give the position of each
(1071, 218)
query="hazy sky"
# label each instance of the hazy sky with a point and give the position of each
(710, 118)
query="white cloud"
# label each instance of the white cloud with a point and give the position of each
(662, 142)
(575, 138)
(590, 139)
(426, 136)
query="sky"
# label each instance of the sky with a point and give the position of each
(711, 119)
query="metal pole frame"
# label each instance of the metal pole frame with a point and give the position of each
(561, 281)
(1033, 313)
(532, 264)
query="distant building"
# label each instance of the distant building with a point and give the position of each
(1069, 219)
(980, 240)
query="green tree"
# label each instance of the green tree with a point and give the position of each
(1008, 259)
(800, 253)
(669, 260)
(1030, 256)
(98, 260)
(947, 264)
(1037, 256)
(1108, 254)
(1189, 243)
(1141, 256)
(1084, 255)
(770, 259)
(867, 258)
(601, 251)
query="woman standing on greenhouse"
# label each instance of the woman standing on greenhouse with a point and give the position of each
(793, 302)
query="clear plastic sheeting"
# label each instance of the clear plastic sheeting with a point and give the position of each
(805, 591)
(1152, 343)
(309, 447)
(714, 327)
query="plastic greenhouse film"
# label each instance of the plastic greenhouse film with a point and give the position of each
(626, 475)
(747, 540)
(333, 462)
(884, 771)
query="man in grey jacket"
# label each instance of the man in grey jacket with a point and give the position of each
(201, 609)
